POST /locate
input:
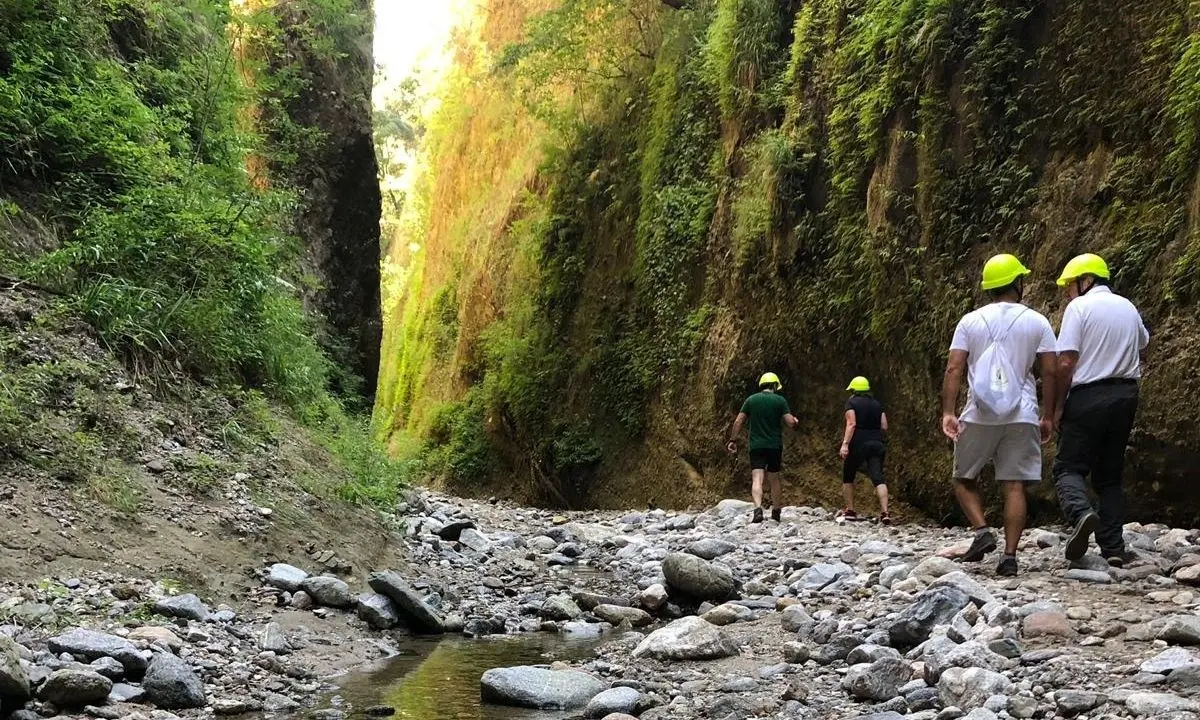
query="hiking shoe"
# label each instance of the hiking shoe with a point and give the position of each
(1007, 567)
(776, 513)
(984, 543)
(846, 513)
(885, 518)
(757, 515)
(1077, 544)
(1119, 559)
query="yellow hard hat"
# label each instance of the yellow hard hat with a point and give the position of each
(859, 384)
(770, 379)
(1001, 270)
(1080, 265)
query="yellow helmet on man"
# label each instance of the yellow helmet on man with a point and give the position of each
(770, 379)
(1080, 265)
(1001, 271)
(859, 384)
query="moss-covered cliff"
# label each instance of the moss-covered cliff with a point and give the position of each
(630, 210)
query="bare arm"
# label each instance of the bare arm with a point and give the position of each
(1049, 392)
(738, 422)
(791, 420)
(883, 421)
(1062, 381)
(851, 422)
(951, 382)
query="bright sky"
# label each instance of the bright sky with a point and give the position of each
(411, 37)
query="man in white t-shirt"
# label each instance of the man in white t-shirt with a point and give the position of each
(1011, 441)
(1099, 347)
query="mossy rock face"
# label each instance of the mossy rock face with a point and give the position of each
(816, 202)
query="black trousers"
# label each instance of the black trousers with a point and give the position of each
(1096, 423)
(868, 452)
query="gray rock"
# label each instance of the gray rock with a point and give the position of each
(274, 640)
(697, 578)
(90, 645)
(973, 589)
(1179, 629)
(730, 507)
(970, 688)
(653, 597)
(615, 700)
(275, 703)
(710, 548)
(869, 653)
(1092, 576)
(109, 668)
(560, 607)
(302, 601)
(739, 685)
(617, 614)
(413, 609)
(795, 619)
(328, 591)
(1158, 704)
(378, 611)
(932, 568)
(1006, 647)
(186, 606)
(285, 577)
(1170, 660)
(796, 653)
(941, 654)
(892, 574)
(1073, 702)
(75, 688)
(689, 638)
(14, 681)
(122, 693)
(477, 541)
(1186, 678)
(822, 575)
(170, 683)
(888, 715)
(935, 606)
(534, 687)
(1021, 706)
(878, 681)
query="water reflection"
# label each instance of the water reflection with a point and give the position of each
(440, 679)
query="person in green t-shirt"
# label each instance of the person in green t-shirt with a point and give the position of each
(766, 410)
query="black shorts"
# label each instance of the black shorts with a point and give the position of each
(769, 459)
(868, 455)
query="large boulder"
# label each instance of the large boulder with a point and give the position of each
(689, 638)
(14, 681)
(935, 606)
(328, 591)
(285, 577)
(378, 611)
(186, 606)
(75, 688)
(171, 684)
(560, 607)
(1179, 629)
(617, 614)
(969, 688)
(89, 645)
(539, 688)
(415, 612)
(616, 700)
(877, 681)
(697, 578)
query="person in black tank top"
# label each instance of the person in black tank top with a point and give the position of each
(864, 444)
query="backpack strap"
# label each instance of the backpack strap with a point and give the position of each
(997, 338)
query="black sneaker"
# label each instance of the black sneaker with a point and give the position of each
(1007, 567)
(776, 514)
(984, 543)
(1119, 559)
(757, 515)
(1077, 544)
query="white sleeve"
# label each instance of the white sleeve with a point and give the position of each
(1046, 343)
(959, 342)
(1071, 330)
(1143, 334)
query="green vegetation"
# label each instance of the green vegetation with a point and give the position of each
(153, 143)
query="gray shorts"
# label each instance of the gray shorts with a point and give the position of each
(1015, 450)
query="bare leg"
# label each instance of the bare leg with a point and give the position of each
(848, 495)
(968, 499)
(776, 491)
(881, 493)
(1014, 515)
(756, 486)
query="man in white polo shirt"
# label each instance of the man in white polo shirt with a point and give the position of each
(1099, 346)
(998, 345)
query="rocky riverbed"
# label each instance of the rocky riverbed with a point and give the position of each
(699, 615)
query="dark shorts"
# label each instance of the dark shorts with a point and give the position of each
(769, 459)
(867, 455)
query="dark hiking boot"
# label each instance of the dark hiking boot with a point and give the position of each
(847, 514)
(1077, 543)
(1007, 567)
(757, 515)
(984, 543)
(1120, 558)
(776, 514)
(885, 518)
